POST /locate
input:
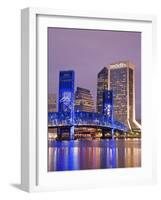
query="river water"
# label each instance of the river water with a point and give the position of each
(94, 154)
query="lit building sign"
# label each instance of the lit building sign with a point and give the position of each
(118, 65)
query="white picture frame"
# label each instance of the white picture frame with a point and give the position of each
(33, 175)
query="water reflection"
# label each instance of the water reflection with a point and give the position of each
(94, 154)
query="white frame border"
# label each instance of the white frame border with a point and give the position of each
(29, 86)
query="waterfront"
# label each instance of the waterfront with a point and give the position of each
(94, 154)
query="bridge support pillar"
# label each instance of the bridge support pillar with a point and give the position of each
(112, 133)
(59, 133)
(71, 133)
(103, 133)
(70, 130)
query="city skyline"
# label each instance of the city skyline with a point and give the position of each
(84, 126)
(88, 58)
(116, 86)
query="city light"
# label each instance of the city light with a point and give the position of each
(92, 100)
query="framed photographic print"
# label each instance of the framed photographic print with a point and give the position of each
(86, 99)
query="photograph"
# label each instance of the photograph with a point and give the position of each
(94, 99)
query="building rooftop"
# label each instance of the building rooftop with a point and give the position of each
(121, 64)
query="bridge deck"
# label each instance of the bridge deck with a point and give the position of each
(83, 119)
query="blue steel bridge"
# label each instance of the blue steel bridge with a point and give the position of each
(89, 119)
(68, 118)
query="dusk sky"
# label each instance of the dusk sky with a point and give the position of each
(87, 52)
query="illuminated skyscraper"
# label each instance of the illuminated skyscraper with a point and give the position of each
(83, 100)
(121, 80)
(102, 84)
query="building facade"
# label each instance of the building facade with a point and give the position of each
(102, 84)
(118, 81)
(52, 102)
(83, 100)
(121, 81)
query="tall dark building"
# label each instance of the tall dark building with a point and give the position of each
(102, 84)
(83, 100)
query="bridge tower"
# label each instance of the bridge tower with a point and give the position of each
(66, 100)
(107, 108)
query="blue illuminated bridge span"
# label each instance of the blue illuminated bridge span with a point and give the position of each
(85, 119)
(68, 118)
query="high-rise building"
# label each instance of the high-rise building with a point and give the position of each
(121, 81)
(52, 102)
(102, 84)
(83, 100)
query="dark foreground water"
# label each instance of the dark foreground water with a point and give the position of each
(94, 154)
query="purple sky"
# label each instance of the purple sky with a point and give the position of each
(87, 52)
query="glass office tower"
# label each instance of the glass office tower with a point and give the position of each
(122, 83)
(83, 100)
(119, 77)
(102, 84)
